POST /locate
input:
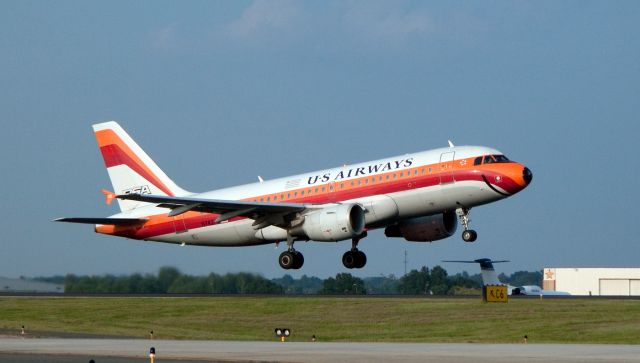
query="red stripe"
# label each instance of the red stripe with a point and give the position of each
(385, 187)
(114, 156)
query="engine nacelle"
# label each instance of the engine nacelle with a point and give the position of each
(335, 223)
(425, 229)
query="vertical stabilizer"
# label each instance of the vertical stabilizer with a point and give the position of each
(489, 275)
(131, 170)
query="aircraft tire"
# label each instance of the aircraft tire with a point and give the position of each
(469, 235)
(349, 259)
(298, 260)
(361, 259)
(287, 260)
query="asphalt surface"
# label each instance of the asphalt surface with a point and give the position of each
(37, 358)
(56, 350)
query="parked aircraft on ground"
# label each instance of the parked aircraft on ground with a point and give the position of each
(414, 196)
(490, 277)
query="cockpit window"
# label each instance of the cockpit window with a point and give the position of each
(490, 159)
(501, 159)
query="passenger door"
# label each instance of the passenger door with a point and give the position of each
(446, 167)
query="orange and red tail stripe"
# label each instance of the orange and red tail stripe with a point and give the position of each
(115, 152)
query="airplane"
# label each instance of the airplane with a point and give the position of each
(490, 277)
(415, 196)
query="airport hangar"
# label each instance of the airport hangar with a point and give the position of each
(593, 281)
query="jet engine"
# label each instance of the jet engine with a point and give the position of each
(335, 223)
(425, 229)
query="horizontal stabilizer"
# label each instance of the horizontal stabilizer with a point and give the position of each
(107, 221)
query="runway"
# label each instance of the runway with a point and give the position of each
(227, 351)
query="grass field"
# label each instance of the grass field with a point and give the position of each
(331, 318)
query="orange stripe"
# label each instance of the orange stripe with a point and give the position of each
(109, 137)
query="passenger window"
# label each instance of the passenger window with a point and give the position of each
(366, 181)
(323, 189)
(387, 177)
(275, 197)
(302, 193)
(415, 172)
(295, 194)
(288, 195)
(268, 199)
(341, 185)
(353, 183)
(478, 160)
(429, 169)
(316, 190)
(401, 174)
(330, 187)
(281, 196)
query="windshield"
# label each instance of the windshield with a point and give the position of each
(490, 159)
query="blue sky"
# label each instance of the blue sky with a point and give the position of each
(220, 92)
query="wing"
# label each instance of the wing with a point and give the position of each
(264, 214)
(107, 221)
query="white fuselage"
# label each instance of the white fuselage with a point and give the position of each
(383, 208)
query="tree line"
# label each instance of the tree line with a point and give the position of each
(425, 281)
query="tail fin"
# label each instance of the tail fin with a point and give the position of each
(489, 275)
(131, 170)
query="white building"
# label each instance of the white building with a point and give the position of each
(593, 281)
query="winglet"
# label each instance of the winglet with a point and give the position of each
(108, 195)
(450, 143)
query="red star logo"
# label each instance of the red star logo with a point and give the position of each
(549, 274)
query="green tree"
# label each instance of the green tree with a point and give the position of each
(521, 278)
(344, 283)
(381, 285)
(166, 276)
(415, 282)
(440, 284)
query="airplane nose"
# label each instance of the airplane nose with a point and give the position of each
(527, 175)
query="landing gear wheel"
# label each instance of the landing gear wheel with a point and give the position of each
(298, 260)
(361, 259)
(469, 235)
(287, 260)
(349, 259)
(291, 260)
(354, 259)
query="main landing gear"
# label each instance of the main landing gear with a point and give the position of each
(291, 259)
(468, 235)
(355, 258)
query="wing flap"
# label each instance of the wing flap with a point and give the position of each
(105, 221)
(219, 206)
(264, 214)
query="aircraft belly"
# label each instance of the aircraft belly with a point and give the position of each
(469, 193)
(238, 233)
(436, 199)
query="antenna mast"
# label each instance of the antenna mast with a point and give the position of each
(405, 262)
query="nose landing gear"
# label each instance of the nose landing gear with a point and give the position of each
(468, 235)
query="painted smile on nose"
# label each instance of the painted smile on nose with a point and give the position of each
(508, 179)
